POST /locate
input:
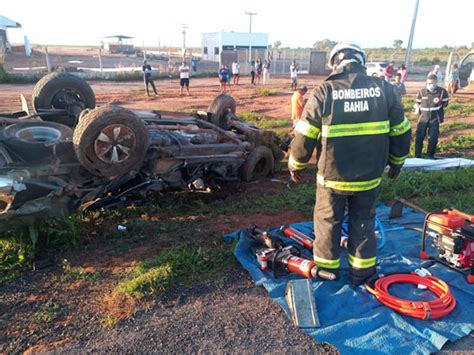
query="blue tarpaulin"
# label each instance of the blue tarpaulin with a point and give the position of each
(351, 318)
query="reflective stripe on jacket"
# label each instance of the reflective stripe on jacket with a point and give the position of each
(432, 104)
(359, 126)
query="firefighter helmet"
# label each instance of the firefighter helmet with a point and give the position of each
(344, 51)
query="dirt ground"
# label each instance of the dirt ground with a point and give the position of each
(228, 315)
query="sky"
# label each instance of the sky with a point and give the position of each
(296, 23)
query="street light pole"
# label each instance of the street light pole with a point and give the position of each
(250, 14)
(184, 27)
(412, 33)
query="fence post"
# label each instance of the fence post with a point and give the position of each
(283, 63)
(48, 63)
(100, 60)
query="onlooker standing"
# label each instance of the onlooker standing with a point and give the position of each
(297, 104)
(258, 71)
(194, 64)
(400, 89)
(453, 80)
(388, 72)
(224, 76)
(294, 75)
(439, 75)
(236, 72)
(266, 71)
(404, 73)
(184, 78)
(148, 78)
(252, 72)
(429, 103)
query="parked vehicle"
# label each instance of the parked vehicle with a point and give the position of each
(466, 68)
(376, 68)
(70, 154)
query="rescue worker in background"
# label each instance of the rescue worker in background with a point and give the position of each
(297, 104)
(429, 104)
(357, 125)
(437, 71)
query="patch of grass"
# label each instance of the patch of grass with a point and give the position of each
(453, 126)
(187, 263)
(457, 145)
(274, 123)
(7, 78)
(125, 245)
(299, 197)
(20, 241)
(109, 321)
(14, 255)
(456, 108)
(48, 312)
(251, 117)
(262, 121)
(62, 232)
(79, 273)
(433, 189)
(408, 101)
(266, 92)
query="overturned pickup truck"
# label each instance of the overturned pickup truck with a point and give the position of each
(69, 154)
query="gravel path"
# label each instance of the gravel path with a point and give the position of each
(228, 316)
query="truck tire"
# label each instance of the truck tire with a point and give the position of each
(33, 141)
(61, 90)
(259, 164)
(219, 108)
(110, 141)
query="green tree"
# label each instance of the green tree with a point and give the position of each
(397, 44)
(324, 45)
(277, 44)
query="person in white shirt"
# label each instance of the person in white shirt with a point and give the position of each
(235, 73)
(266, 71)
(294, 75)
(437, 71)
(184, 78)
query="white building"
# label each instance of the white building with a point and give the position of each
(6, 23)
(213, 44)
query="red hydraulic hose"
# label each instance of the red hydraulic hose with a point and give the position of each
(437, 308)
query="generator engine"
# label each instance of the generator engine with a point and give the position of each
(453, 236)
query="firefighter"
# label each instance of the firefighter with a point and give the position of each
(430, 103)
(357, 125)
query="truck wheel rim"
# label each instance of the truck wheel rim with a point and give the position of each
(115, 144)
(66, 98)
(38, 134)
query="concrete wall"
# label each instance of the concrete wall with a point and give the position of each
(317, 63)
(234, 40)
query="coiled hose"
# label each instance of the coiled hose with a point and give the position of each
(434, 309)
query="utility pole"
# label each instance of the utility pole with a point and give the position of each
(412, 33)
(250, 14)
(184, 27)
